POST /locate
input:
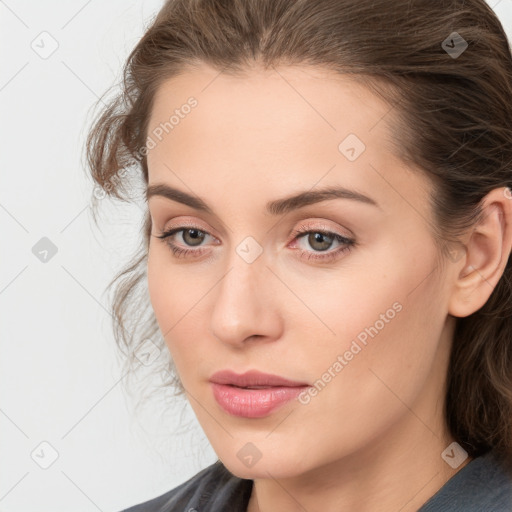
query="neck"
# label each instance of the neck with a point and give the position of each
(380, 479)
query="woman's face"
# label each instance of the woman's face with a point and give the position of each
(355, 310)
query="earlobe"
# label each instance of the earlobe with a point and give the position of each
(487, 251)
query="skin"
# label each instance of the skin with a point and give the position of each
(372, 438)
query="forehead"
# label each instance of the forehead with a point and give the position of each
(268, 101)
(281, 128)
(278, 111)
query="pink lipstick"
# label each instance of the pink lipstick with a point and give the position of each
(253, 394)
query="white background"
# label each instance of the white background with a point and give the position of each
(60, 379)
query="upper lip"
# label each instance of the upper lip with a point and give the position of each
(252, 378)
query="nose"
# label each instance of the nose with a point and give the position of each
(246, 304)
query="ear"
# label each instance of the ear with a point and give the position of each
(487, 253)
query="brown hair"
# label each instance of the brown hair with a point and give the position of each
(451, 107)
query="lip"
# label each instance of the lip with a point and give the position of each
(253, 378)
(232, 394)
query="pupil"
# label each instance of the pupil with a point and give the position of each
(194, 234)
(319, 237)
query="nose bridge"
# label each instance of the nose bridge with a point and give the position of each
(242, 305)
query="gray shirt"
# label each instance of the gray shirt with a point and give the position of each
(483, 485)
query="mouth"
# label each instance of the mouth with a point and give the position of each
(253, 394)
(250, 387)
(253, 379)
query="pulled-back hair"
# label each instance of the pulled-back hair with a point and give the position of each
(451, 108)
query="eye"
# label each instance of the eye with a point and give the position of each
(191, 236)
(319, 240)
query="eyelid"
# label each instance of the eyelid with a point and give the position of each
(168, 217)
(184, 223)
(346, 243)
(322, 226)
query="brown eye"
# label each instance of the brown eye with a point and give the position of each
(320, 241)
(191, 243)
(193, 237)
(317, 244)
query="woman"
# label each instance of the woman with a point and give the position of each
(327, 243)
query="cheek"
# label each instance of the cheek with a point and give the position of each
(177, 299)
(385, 314)
(164, 290)
(158, 283)
(172, 291)
(358, 301)
(388, 323)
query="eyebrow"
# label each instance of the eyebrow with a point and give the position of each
(275, 207)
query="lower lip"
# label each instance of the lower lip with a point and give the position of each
(253, 403)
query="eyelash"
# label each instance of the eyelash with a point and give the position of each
(302, 231)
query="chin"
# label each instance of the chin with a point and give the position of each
(275, 466)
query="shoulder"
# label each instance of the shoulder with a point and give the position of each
(484, 484)
(209, 490)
